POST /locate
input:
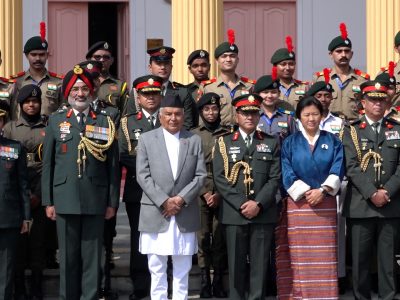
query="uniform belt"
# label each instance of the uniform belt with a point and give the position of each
(30, 157)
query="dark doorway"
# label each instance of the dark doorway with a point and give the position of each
(103, 27)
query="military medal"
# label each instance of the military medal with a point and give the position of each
(8, 152)
(392, 135)
(364, 145)
(233, 157)
(65, 128)
(97, 133)
(234, 150)
(263, 148)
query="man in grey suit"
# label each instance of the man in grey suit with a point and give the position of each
(171, 171)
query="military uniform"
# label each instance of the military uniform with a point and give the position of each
(50, 86)
(280, 125)
(31, 248)
(14, 208)
(132, 127)
(80, 186)
(396, 74)
(346, 97)
(248, 240)
(217, 85)
(6, 90)
(114, 91)
(293, 93)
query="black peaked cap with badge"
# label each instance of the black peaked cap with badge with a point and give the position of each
(29, 91)
(208, 98)
(148, 84)
(162, 53)
(171, 101)
(247, 102)
(340, 41)
(101, 45)
(198, 54)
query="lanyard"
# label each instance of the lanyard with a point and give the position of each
(231, 92)
(285, 91)
(341, 84)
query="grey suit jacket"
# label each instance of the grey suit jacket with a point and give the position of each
(154, 175)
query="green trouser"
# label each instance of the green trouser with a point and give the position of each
(8, 245)
(80, 241)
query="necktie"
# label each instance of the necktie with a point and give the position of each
(248, 141)
(81, 120)
(151, 121)
(375, 126)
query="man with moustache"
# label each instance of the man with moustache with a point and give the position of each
(344, 79)
(372, 205)
(148, 91)
(36, 53)
(80, 184)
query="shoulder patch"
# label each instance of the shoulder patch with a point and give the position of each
(207, 82)
(60, 76)
(6, 80)
(20, 74)
(321, 73)
(245, 79)
(361, 73)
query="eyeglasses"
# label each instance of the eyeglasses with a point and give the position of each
(100, 57)
(84, 89)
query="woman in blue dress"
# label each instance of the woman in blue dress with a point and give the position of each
(312, 169)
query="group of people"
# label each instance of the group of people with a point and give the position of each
(258, 177)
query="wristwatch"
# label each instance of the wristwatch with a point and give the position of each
(323, 191)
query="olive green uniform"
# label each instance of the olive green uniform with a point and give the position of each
(14, 208)
(211, 239)
(369, 225)
(292, 93)
(346, 99)
(32, 250)
(132, 127)
(248, 239)
(50, 85)
(6, 90)
(396, 74)
(114, 91)
(228, 113)
(80, 195)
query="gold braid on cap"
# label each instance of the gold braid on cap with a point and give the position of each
(233, 177)
(96, 149)
(124, 127)
(364, 161)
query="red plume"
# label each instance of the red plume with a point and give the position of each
(43, 31)
(231, 36)
(274, 73)
(343, 31)
(391, 69)
(326, 75)
(289, 43)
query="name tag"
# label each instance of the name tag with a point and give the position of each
(8, 152)
(263, 148)
(97, 133)
(392, 135)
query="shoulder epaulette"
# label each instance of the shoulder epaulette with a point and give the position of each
(20, 74)
(286, 112)
(321, 73)
(209, 81)
(301, 82)
(245, 79)
(62, 110)
(260, 134)
(362, 74)
(354, 122)
(60, 76)
(7, 80)
(177, 84)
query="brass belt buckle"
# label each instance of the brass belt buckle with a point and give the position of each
(30, 157)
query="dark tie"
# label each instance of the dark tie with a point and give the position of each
(151, 121)
(375, 126)
(81, 120)
(248, 141)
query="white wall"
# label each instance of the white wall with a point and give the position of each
(318, 23)
(33, 12)
(149, 19)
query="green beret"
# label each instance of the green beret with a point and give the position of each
(208, 98)
(35, 43)
(225, 47)
(397, 39)
(319, 86)
(265, 83)
(29, 91)
(281, 55)
(339, 42)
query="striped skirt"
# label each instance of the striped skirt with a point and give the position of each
(306, 250)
